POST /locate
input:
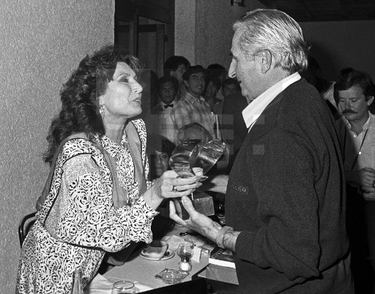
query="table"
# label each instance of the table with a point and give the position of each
(144, 271)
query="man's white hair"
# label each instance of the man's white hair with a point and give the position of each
(273, 30)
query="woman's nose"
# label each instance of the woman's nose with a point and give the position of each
(137, 88)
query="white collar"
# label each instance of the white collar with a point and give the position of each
(365, 126)
(252, 112)
(173, 103)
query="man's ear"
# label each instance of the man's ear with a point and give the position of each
(186, 83)
(265, 58)
(370, 101)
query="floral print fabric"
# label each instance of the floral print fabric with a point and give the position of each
(82, 222)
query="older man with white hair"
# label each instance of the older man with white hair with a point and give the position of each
(285, 199)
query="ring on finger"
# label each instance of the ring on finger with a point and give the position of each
(174, 188)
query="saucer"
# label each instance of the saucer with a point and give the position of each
(168, 255)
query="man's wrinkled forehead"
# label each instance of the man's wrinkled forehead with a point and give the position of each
(235, 43)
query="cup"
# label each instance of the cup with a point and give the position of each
(155, 250)
(123, 287)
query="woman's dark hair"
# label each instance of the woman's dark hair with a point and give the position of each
(79, 96)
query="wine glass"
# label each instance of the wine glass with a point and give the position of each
(183, 156)
(194, 158)
(185, 251)
(208, 155)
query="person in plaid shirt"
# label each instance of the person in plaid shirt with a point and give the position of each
(193, 107)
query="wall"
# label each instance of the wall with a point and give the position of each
(203, 34)
(203, 29)
(337, 45)
(41, 42)
(185, 23)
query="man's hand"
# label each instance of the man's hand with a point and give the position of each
(197, 221)
(365, 177)
(368, 193)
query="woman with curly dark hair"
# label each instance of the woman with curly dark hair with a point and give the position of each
(97, 199)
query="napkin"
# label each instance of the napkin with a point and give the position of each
(101, 285)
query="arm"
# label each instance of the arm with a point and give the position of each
(163, 188)
(88, 216)
(203, 225)
(87, 213)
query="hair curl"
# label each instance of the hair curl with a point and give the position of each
(273, 30)
(79, 96)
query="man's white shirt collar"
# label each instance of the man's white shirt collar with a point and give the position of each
(365, 126)
(252, 112)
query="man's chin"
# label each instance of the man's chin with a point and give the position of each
(349, 116)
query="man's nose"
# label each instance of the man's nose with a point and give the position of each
(232, 71)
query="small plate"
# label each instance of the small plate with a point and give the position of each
(168, 255)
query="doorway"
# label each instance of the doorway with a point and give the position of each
(145, 28)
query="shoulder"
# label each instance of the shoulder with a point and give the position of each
(77, 146)
(299, 109)
(302, 101)
(77, 156)
(180, 106)
(138, 123)
(157, 108)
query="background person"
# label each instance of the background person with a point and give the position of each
(176, 66)
(99, 200)
(193, 108)
(285, 199)
(229, 87)
(158, 119)
(355, 93)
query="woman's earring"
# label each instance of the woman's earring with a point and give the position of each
(101, 110)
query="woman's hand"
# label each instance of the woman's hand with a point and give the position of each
(169, 185)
